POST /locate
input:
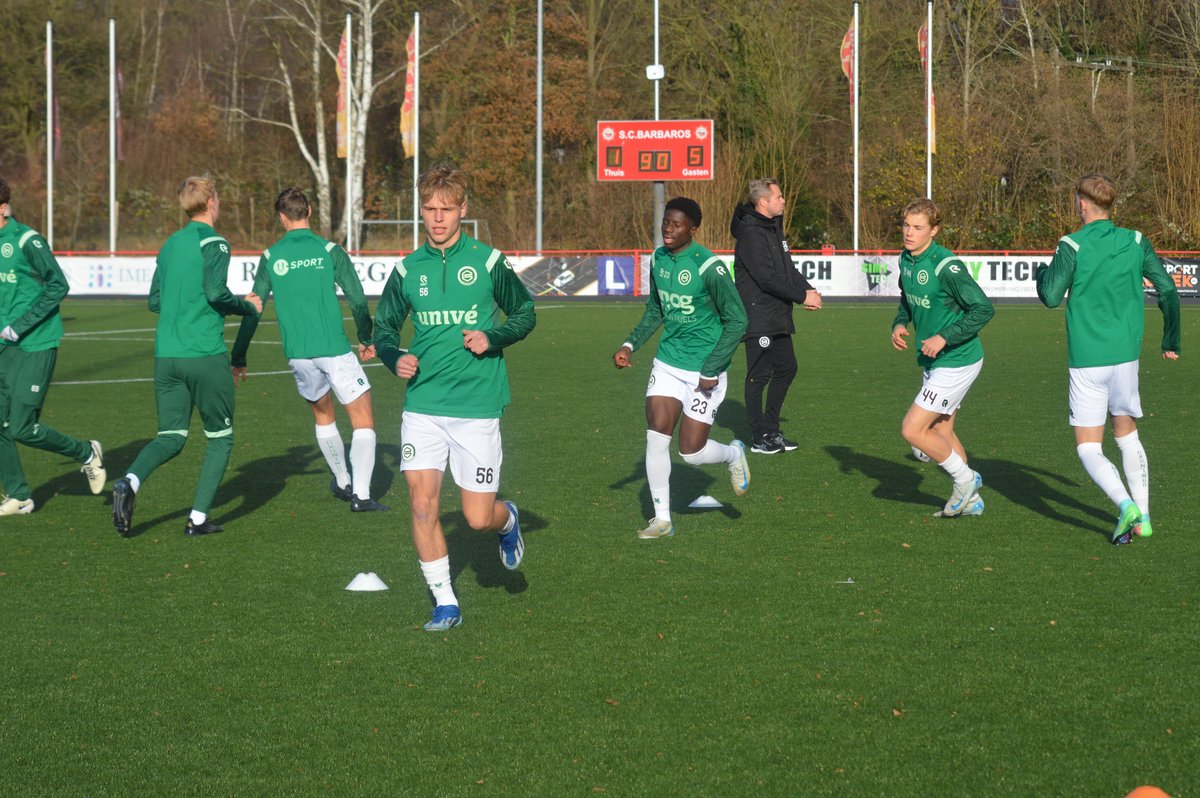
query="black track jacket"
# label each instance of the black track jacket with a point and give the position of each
(764, 273)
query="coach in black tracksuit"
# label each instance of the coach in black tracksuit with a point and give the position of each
(769, 284)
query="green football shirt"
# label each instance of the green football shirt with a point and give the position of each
(1102, 267)
(190, 295)
(32, 286)
(939, 296)
(303, 271)
(465, 287)
(693, 298)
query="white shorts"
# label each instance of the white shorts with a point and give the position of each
(470, 445)
(343, 373)
(679, 384)
(1096, 392)
(943, 389)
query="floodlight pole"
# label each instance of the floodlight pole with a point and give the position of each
(112, 136)
(655, 73)
(857, 98)
(349, 135)
(929, 99)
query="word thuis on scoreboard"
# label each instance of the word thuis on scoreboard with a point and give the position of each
(678, 149)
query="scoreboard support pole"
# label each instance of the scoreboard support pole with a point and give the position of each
(660, 207)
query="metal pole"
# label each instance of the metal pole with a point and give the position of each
(349, 134)
(929, 99)
(112, 136)
(660, 188)
(50, 133)
(539, 154)
(416, 196)
(857, 96)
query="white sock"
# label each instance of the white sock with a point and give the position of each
(437, 576)
(329, 441)
(958, 470)
(362, 457)
(658, 472)
(198, 517)
(1102, 471)
(134, 482)
(509, 524)
(713, 452)
(1137, 470)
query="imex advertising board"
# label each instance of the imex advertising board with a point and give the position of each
(674, 149)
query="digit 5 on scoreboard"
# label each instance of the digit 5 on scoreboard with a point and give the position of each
(658, 150)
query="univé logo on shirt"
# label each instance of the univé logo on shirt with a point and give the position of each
(9, 276)
(442, 318)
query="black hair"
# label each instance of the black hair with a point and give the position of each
(688, 207)
(5, 196)
(292, 203)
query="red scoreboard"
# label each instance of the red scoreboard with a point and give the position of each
(676, 149)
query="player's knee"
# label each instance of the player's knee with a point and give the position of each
(912, 432)
(171, 443)
(479, 521)
(24, 432)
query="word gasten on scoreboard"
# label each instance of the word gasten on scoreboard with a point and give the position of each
(675, 149)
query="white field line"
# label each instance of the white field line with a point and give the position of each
(151, 379)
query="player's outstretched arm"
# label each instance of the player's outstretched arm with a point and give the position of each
(957, 280)
(346, 278)
(1054, 281)
(732, 312)
(260, 292)
(1168, 298)
(623, 357)
(389, 321)
(54, 284)
(513, 298)
(216, 277)
(652, 318)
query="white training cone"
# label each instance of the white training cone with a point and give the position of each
(366, 582)
(705, 502)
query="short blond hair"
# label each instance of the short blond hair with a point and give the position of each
(925, 206)
(194, 194)
(445, 179)
(1099, 189)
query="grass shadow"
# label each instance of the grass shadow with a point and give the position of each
(74, 483)
(481, 551)
(686, 480)
(895, 481)
(1032, 488)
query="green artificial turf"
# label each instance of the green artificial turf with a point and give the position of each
(823, 635)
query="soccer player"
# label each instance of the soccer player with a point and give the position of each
(302, 269)
(455, 289)
(191, 367)
(1102, 266)
(692, 296)
(947, 309)
(32, 286)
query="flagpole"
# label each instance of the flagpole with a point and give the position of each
(112, 136)
(929, 99)
(50, 133)
(349, 135)
(416, 136)
(855, 115)
(540, 72)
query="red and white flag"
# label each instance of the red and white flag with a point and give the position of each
(923, 48)
(406, 111)
(343, 97)
(848, 60)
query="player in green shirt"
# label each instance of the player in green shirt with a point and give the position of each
(191, 367)
(1103, 267)
(454, 288)
(304, 271)
(947, 309)
(32, 286)
(693, 298)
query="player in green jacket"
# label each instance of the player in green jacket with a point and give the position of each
(455, 289)
(32, 286)
(693, 298)
(947, 309)
(1103, 267)
(191, 366)
(304, 271)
